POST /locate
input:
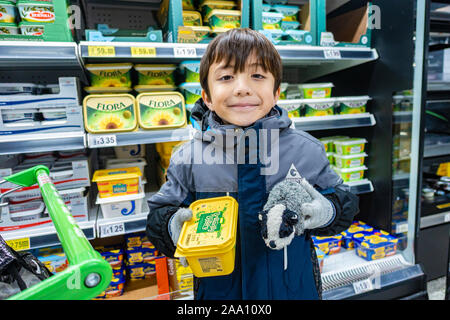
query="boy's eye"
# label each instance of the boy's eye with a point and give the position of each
(225, 78)
(258, 76)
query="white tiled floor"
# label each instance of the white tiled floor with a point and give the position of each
(436, 289)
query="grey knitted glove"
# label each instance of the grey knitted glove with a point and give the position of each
(175, 224)
(317, 213)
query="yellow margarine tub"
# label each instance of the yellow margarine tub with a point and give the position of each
(117, 182)
(109, 113)
(192, 18)
(159, 110)
(156, 74)
(208, 240)
(228, 19)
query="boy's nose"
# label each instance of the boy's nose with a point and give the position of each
(242, 89)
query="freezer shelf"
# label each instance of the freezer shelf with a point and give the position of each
(41, 237)
(361, 186)
(436, 150)
(138, 137)
(108, 227)
(402, 116)
(347, 276)
(317, 61)
(334, 122)
(41, 142)
(29, 54)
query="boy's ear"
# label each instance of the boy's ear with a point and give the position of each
(206, 100)
(277, 94)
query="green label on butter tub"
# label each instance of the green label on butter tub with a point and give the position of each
(210, 222)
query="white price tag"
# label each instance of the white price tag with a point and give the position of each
(401, 228)
(185, 52)
(363, 286)
(447, 217)
(332, 53)
(110, 230)
(105, 141)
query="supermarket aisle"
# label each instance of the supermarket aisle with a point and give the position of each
(436, 289)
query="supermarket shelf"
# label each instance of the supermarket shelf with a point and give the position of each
(107, 227)
(344, 272)
(334, 122)
(47, 236)
(24, 143)
(434, 219)
(29, 54)
(436, 150)
(138, 137)
(400, 177)
(320, 60)
(438, 86)
(157, 50)
(402, 116)
(360, 187)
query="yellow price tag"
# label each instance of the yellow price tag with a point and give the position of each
(19, 244)
(101, 51)
(143, 52)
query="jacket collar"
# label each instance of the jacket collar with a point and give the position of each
(277, 118)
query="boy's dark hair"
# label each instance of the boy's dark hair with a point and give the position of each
(235, 46)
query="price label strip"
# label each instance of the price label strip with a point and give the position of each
(184, 52)
(332, 54)
(101, 51)
(110, 230)
(363, 286)
(19, 244)
(105, 141)
(143, 52)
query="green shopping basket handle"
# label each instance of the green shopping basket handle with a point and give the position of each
(88, 273)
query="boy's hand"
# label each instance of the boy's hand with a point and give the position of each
(176, 223)
(317, 213)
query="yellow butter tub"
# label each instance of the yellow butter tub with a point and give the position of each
(208, 240)
(117, 182)
(109, 113)
(161, 110)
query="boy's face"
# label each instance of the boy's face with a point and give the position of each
(240, 98)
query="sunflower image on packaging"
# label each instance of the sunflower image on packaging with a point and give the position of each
(157, 110)
(109, 113)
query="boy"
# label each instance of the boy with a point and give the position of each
(240, 74)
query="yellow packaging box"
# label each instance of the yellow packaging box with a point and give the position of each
(117, 182)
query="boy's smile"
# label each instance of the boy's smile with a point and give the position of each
(240, 97)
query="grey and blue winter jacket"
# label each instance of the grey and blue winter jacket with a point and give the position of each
(246, 163)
